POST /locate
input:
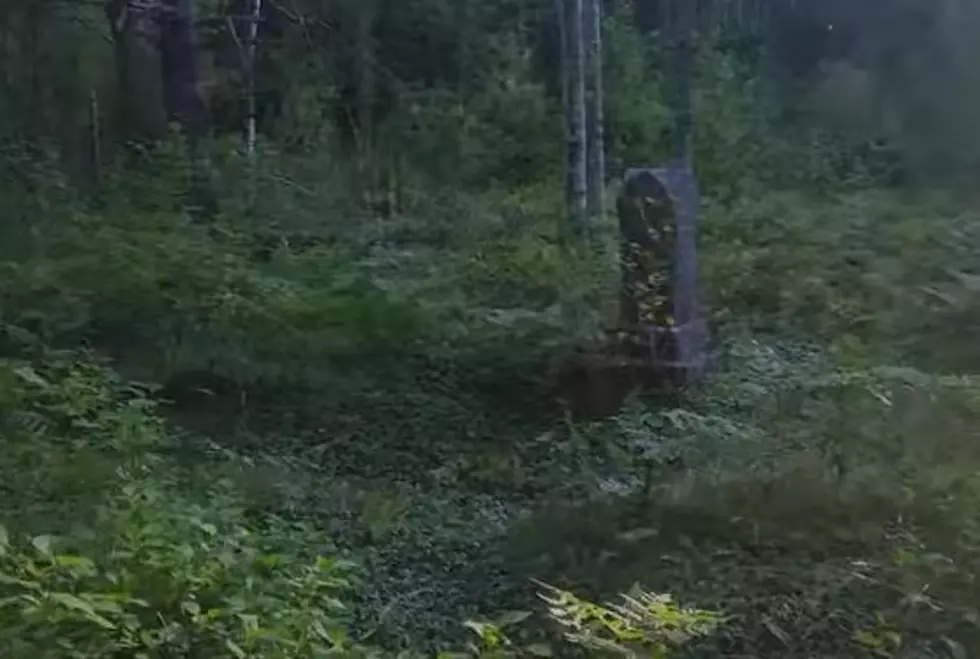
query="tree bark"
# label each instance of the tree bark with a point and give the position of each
(366, 14)
(157, 65)
(573, 82)
(252, 48)
(681, 30)
(135, 28)
(595, 149)
(185, 99)
(563, 63)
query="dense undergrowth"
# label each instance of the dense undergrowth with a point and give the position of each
(386, 458)
(302, 430)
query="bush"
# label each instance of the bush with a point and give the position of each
(159, 576)
(136, 556)
(200, 301)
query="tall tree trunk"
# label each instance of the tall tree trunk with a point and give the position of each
(468, 34)
(595, 149)
(366, 14)
(157, 67)
(135, 28)
(252, 48)
(465, 19)
(573, 77)
(94, 142)
(681, 26)
(185, 98)
(767, 83)
(249, 52)
(563, 63)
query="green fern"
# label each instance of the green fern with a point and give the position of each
(644, 624)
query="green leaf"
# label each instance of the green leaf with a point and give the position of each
(540, 649)
(269, 560)
(4, 540)
(79, 563)
(777, 631)
(512, 618)
(29, 375)
(637, 535)
(956, 649)
(235, 649)
(249, 620)
(209, 529)
(972, 617)
(191, 608)
(970, 282)
(8, 601)
(74, 603)
(14, 581)
(478, 628)
(147, 638)
(42, 544)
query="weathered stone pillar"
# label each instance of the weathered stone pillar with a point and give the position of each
(659, 299)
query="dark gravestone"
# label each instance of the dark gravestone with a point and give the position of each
(660, 312)
(662, 338)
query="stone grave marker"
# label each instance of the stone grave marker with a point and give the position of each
(660, 315)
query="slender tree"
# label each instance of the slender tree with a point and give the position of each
(680, 22)
(252, 45)
(185, 100)
(573, 83)
(366, 88)
(595, 143)
(563, 63)
(135, 28)
(159, 77)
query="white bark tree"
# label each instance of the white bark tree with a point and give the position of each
(252, 45)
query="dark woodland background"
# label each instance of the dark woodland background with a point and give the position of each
(305, 397)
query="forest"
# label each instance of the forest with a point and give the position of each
(489, 328)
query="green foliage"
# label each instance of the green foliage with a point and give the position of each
(636, 110)
(141, 565)
(866, 266)
(389, 371)
(511, 128)
(199, 297)
(643, 625)
(67, 426)
(760, 493)
(157, 576)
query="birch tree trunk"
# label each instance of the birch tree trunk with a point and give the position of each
(595, 143)
(573, 84)
(252, 48)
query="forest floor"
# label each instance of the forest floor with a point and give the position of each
(387, 386)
